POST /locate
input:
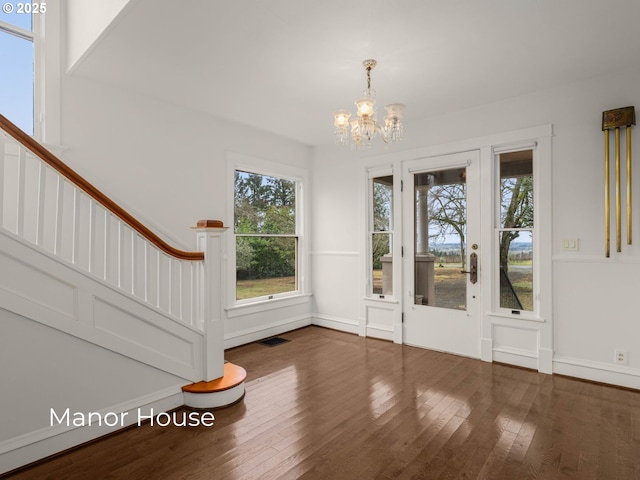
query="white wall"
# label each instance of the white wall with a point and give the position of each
(87, 21)
(595, 299)
(336, 240)
(109, 131)
(167, 165)
(65, 372)
(44, 368)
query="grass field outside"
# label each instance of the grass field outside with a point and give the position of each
(265, 286)
(450, 285)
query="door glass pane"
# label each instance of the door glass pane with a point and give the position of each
(440, 238)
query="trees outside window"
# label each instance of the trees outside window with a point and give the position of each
(381, 235)
(266, 235)
(516, 230)
(447, 214)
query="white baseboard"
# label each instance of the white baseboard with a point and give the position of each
(515, 356)
(243, 337)
(336, 323)
(33, 446)
(545, 360)
(620, 375)
(486, 349)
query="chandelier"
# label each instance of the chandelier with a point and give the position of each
(362, 130)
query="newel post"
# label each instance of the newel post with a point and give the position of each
(209, 240)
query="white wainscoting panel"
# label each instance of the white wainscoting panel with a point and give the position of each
(336, 323)
(37, 285)
(516, 345)
(146, 333)
(379, 322)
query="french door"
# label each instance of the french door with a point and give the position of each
(441, 259)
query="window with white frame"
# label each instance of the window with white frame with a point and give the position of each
(515, 232)
(267, 233)
(381, 235)
(19, 25)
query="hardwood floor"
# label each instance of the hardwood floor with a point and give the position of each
(330, 405)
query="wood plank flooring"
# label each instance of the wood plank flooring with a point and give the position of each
(330, 405)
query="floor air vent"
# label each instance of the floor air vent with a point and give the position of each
(273, 341)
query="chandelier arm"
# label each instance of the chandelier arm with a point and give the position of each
(383, 134)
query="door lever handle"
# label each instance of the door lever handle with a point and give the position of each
(473, 265)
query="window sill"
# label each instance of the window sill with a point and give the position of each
(527, 317)
(386, 299)
(262, 305)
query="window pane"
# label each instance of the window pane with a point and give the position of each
(516, 189)
(16, 17)
(264, 204)
(265, 266)
(516, 270)
(382, 275)
(16, 81)
(382, 203)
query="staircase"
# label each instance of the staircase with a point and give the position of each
(77, 264)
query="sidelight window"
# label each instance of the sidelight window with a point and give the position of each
(381, 235)
(516, 231)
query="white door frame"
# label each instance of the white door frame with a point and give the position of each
(526, 341)
(450, 330)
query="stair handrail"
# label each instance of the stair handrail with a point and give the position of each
(63, 169)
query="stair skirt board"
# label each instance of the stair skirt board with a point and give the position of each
(217, 393)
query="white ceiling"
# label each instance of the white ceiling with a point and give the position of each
(285, 65)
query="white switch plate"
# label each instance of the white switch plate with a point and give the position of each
(570, 244)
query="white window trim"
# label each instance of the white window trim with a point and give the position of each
(540, 231)
(48, 111)
(375, 172)
(237, 161)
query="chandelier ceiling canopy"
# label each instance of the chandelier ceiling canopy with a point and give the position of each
(360, 131)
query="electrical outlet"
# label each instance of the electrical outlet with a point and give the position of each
(621, 357)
